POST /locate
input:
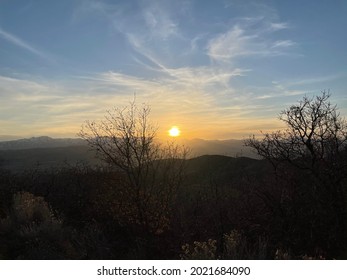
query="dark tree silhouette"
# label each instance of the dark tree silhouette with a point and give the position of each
(126, 139)
(315, 132)
(313, 144)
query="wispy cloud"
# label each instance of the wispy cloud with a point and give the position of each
(38, 108)
(159, 21)
(98, 8)
(275, 26)
(283, 44)
(313, 80)
(194, 43)
(233, 43)
(188, 77)
(244, 40)
(22, 44)
(202, 77)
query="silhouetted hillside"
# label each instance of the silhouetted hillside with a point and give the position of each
(231, 147)
(223, 169)
(17, 160)
(221, 164)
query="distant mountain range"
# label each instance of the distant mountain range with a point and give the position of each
(231, 147)
(198, 147)
(9, 137)
(49, 152)
(40, 142)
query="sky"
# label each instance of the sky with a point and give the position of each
(217, 69)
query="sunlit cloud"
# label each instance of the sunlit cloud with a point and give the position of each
(31, 107)
(265, 96)
(175, 99)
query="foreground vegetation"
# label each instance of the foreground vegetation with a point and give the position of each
(151, 202)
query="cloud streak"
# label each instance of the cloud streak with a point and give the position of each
(159, 22)
(283, 44)
(279, 26)
(22, 44)
(230, 44)
(242, 41)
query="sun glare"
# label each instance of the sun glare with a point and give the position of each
(174, 131)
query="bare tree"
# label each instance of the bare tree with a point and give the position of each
(126, 139)
(313, 146)
(315, 134)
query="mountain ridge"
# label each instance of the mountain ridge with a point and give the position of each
(228, 147)
(40, 142)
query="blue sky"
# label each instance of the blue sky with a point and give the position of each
(217, 69)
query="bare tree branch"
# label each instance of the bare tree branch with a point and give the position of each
(126, 139)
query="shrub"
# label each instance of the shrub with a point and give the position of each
(31, 230)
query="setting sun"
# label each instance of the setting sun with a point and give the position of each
(174, 131)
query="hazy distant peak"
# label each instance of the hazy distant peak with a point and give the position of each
(40, 142)
(9, 137)
(228, 147)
